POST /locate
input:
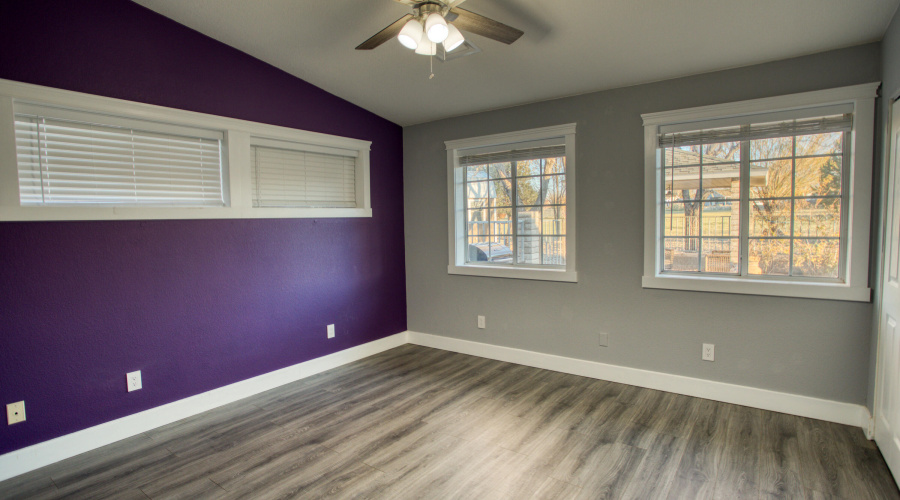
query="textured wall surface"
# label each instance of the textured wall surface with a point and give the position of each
(812, 347)
(194, 305)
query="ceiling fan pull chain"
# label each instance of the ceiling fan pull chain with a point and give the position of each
(431, 61)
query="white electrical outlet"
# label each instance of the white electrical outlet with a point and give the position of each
(15, 412)
(481, 322)
(133, 380)
(331, 331)
(709, 352)
(604, 339)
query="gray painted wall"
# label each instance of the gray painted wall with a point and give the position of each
(813, 347)
(890, 67)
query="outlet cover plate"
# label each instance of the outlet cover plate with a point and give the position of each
(709, 352)
(133, 380)
(604, 339)
(481, 322)
(331, 331)
(15, 412)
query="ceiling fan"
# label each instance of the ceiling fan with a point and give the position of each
(434, 22)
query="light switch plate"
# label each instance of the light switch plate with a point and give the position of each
(15, 412)
(134, 380)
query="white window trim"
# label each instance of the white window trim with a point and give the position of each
(855, 285)
(456, 223)
(239, 136)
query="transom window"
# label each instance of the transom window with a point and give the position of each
(511, 205)
(760, 202)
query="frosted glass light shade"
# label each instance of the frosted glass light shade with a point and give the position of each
(427, 48)
(436, 28)
(411, 34)
(454, 39)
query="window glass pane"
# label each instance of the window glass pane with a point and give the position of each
(682, 183)
(817, 217)
(721, 218)
(682, 219)
(554, 250)
(528, 190)
(476, 172)
(489, 250)
(528, 167)
(529, 221)
(554, 189)
(721, 255)
(554, 221)
(477, 202)
(820, 144)
(478, 223)
(722, 181)
(500, 170)
(721, 152)
(529, 250)
(555, 165)
(778, 147)
(478, 191)
(682, 156)
(771, 179)
(501, 221)
(818, 176)
(501, 193)
(769, 256)
(814, 257)
(682, 254)
(770, 218)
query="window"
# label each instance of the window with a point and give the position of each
(762, 197)
(512, 205)
(294, 175)
(71, 156)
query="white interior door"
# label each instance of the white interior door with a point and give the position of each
(887, 397)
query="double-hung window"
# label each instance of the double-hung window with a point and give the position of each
(512, 205)
(762, 197)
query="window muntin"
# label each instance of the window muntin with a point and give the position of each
(793, 203)
(530, 231)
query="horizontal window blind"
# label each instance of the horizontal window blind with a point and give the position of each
(754, 131)
(87, 161)
(513, 155)
(294, 178)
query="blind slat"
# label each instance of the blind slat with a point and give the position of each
(756, 131)
(513, 155)
(70, 162)
(292, 178)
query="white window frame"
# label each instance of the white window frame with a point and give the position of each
(456, 210)
(854, 286)
(240, 135)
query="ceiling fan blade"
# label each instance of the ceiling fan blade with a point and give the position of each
(408, 2)
(385, 34)
(451, 4)
(486, 27)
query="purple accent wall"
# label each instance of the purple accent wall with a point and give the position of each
(194, 305)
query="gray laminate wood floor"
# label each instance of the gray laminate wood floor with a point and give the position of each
(415, 422)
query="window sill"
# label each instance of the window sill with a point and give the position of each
(164, 213)
(827, 291)
(515, 273)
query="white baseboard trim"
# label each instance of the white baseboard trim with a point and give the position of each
(48, 452)
(794, 404)
(36, 456)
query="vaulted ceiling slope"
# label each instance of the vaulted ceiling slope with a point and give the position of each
(569, 47)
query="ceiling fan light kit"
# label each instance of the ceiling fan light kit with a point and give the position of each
(430, 25)
(436, 28)
(411, 34)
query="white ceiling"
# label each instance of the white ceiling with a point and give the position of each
(569, 47)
